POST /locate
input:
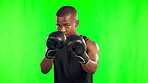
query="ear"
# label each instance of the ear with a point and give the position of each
(77, 22)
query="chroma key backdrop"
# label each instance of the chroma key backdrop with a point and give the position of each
(120, 27)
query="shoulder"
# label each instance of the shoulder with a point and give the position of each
(92, 46)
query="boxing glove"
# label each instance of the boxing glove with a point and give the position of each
(55, 41)
(77, 46)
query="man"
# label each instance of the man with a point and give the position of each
(75, 57)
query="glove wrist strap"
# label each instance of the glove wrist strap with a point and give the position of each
(84, 59)
(50, 54)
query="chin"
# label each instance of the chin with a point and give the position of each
(67, 35)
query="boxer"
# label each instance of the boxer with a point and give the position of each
(75, 57)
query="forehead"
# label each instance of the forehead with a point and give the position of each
(64, 19)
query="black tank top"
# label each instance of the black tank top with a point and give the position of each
(67, 69)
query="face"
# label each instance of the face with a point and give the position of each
(67, 25)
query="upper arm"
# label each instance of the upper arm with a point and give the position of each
(93, 50)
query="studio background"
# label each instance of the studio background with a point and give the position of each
(120, 27)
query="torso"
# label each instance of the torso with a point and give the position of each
(67, 69)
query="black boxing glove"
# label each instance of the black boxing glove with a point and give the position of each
(77, 45)
(55, 41)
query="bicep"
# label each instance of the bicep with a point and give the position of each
(93, 51)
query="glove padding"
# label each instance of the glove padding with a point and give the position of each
(55, 41)
(77, 45)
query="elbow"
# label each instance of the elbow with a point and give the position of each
(93, 70)
(44, 72)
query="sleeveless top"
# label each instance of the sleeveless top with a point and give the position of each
(67, 69)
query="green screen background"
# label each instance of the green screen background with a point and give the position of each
(120, 27)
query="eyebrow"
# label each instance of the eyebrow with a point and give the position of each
(63, 24)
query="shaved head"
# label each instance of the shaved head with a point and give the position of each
(67, 10)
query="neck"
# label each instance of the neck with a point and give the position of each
(76, 33)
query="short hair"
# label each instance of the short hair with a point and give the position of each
(66, 10)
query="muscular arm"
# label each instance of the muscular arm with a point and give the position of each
(46, 65)
(93, 51)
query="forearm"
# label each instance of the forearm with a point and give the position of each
(46, 65)
(90, 67)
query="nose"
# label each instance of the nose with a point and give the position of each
(63, 29)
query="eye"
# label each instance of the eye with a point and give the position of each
(67, 25)
(58, 25)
